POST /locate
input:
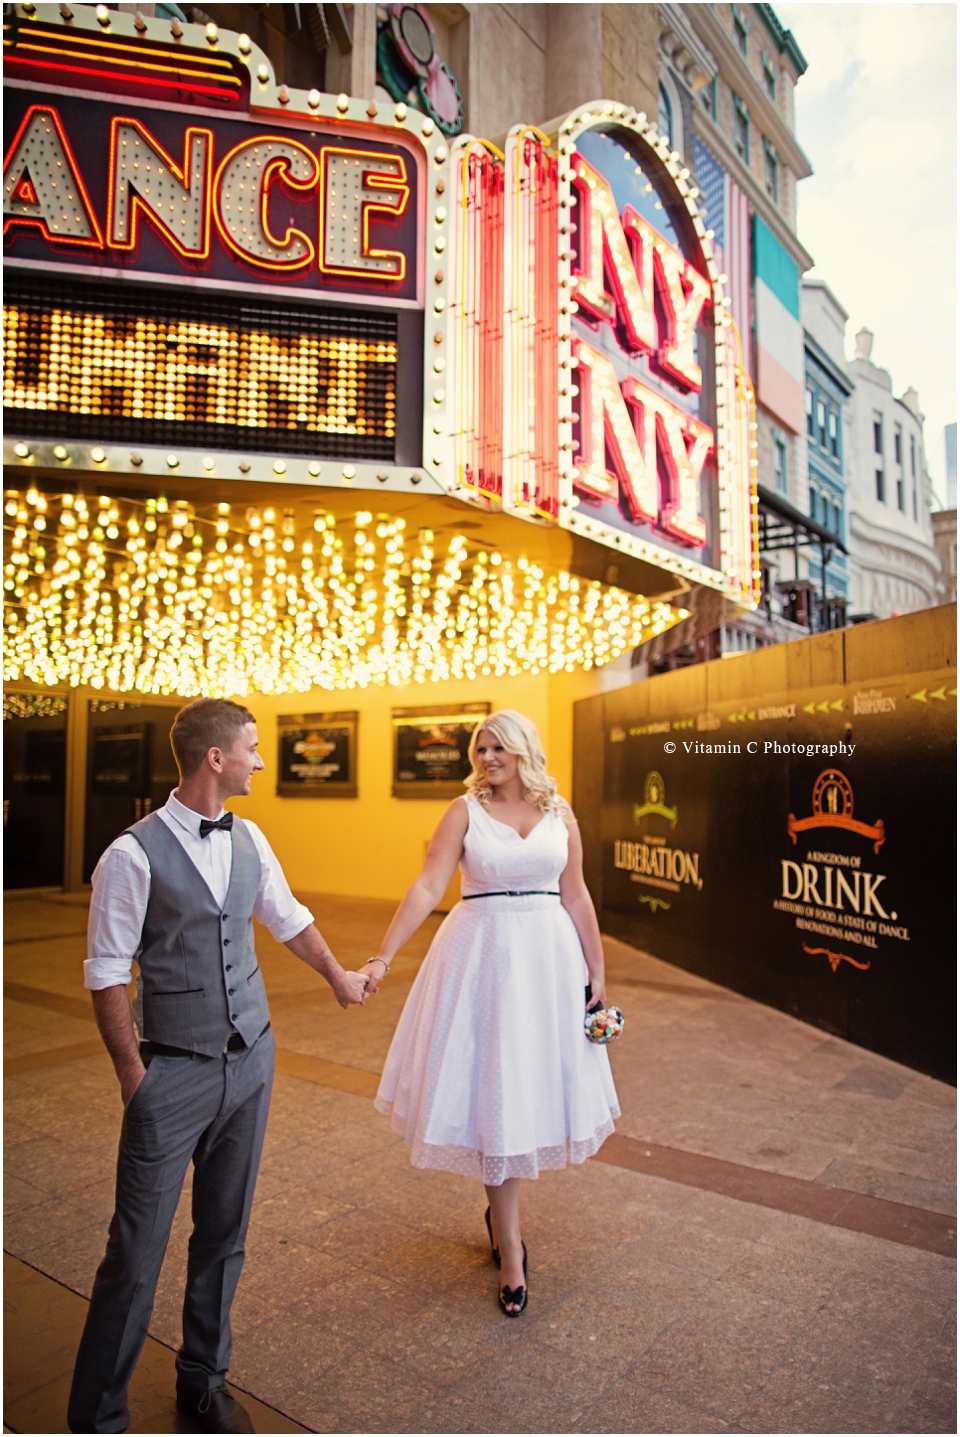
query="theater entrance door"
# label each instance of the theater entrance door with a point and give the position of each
(130, 770)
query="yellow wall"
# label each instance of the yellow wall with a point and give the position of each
(372, 846)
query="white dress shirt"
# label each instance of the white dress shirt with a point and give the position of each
(121, 888)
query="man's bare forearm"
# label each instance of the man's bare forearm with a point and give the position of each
(311, 948)
(111, 1007)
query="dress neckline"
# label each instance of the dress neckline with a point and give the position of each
(509, 826)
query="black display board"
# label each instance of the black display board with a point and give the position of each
(796, 845)
(45, 761)
(120, 760)
(430, 748)
(317, 755)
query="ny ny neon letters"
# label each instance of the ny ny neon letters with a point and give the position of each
(644, 435)
(624, 266)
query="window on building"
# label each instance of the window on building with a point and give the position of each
(741, 129)
(837, 521)
(779, 462)
(708, 98)
(898, 460)
(771, 171)
(881, 486)
(814, 504)
(833, 432)
(665, 118)
(822, 423)
(769, 78)
(878, 434)
(740, 29)
(809, 406)
(913, 456)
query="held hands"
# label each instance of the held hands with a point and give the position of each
(350, 988)
(374, 971)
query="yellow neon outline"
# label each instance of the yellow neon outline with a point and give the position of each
(137, 204)
(381, 182)
(96, 242)
(279, 266)
(99, 44)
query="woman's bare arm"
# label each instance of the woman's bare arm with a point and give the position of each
(575, 897)
(425, 892)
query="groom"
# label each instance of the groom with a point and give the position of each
(178, 892)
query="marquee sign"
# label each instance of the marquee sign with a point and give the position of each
(596, 379)
(97, 182)
(250, 259)
(289, 273)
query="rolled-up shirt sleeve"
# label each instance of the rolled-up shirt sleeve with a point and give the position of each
(276, 907)
(121, 888)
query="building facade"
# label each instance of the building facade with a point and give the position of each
(945, 539)
(866, 459)
(894, 567)
(827, 392)
(950, 456)
(316, 399)
(727, 79)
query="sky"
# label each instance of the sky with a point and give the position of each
(877, 118)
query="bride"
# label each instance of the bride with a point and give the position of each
(490, 1073)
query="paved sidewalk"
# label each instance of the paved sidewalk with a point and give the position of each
(764, 1247)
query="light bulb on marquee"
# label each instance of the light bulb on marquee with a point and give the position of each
(242, 609)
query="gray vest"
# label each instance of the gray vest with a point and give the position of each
(199, 972)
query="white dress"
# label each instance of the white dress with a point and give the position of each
(490, 1073)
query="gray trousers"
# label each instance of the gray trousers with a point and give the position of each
(213, 1110)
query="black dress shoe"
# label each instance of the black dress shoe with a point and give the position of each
(214, 1410)
(513, 1300)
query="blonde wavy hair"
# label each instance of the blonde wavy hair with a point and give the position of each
(518, 735)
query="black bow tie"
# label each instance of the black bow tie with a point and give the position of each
(207, 825)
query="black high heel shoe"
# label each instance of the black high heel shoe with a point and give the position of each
(494, 1251)
(516, 1296)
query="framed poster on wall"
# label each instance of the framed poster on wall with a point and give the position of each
(430, 749)
(317, 755)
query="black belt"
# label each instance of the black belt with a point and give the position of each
(235, 1044)
(527, 893)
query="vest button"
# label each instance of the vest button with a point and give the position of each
(233, 1017)
(230, 992)
(229, 967)
(225, 942)
(224, 916)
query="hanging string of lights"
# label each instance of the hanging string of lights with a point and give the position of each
(159, 596)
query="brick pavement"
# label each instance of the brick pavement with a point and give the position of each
(659, 1301)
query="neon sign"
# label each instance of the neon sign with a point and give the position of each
(613, 330)
(573, 360)
(86, 181)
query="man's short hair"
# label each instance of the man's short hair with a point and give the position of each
(203, 725)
